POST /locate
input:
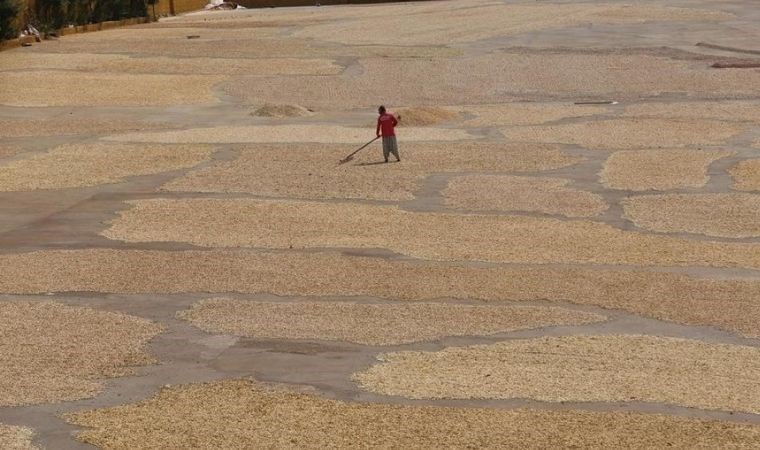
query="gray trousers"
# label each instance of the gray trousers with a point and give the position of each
(390, 146)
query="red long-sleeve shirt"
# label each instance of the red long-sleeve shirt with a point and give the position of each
(386, 122)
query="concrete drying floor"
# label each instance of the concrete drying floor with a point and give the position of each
(583, 269)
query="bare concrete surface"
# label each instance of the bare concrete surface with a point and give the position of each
(465, 56)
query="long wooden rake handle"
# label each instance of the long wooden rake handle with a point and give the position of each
(349, 157)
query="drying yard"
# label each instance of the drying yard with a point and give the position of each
(568, 254)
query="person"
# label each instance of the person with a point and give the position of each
(385, 128)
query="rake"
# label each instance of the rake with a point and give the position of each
(351, 156)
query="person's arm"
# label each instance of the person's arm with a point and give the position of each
(395, 122)
(377, 132)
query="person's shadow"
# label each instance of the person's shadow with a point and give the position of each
(374, 163)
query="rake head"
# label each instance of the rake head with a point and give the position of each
(346, 159)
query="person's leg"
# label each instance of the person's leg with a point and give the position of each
(394, 148)
(386, 147)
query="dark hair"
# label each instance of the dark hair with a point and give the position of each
(381, 109)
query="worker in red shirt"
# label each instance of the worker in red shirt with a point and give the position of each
(385, 128)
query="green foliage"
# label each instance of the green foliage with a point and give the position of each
(53, 14)
(50, 14)
(8, 12)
